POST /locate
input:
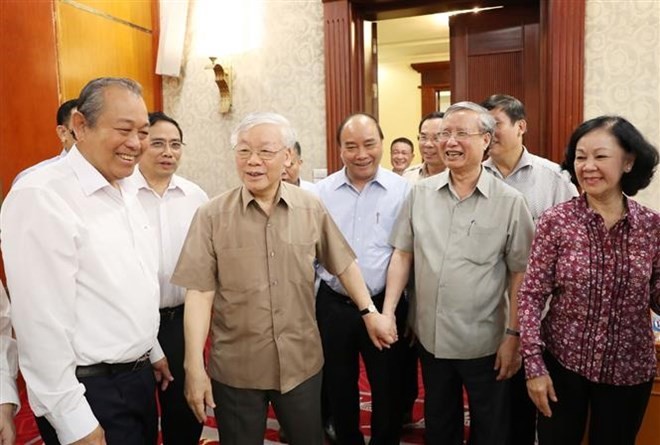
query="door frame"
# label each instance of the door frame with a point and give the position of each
(562, 62)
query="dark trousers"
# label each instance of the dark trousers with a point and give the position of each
(242, 413)
(410, 375)
(124, 404)
(443, 400)
(523, 412)
(178, 423)
(616, 412)
(344, 336)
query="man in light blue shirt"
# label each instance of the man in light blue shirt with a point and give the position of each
(364, 200)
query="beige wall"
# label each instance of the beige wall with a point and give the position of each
(399, 105)
(286, 75)
(622, 69)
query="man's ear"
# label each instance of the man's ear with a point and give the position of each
(62, 132)
(522, 126)
(287, 161)
(78, 125)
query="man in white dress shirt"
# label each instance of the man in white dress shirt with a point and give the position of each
(170, 202)
(291, 174)
(8, 369)
(82, 269)
(64, 134)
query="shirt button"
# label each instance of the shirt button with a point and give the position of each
(272, 254)
(269, 225)
(273, 283)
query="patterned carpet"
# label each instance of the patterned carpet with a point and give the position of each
(28, 433)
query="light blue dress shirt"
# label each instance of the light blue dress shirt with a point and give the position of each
(366, 219)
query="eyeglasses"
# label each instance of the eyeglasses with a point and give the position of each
(423, 139)
(161, 144)
(458, 135)
(245, 152)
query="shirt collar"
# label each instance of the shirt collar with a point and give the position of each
(381, 179)
(484, 182)
(91, 180)
(526, 160)
(283, 194)
(140, 182)
(631, 215)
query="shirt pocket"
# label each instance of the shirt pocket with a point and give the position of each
(484, 244)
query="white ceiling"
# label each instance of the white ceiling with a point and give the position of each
(414, 39)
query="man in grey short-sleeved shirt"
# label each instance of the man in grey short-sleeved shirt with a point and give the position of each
(469, 234)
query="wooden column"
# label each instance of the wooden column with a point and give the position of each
(344, 68)
(563, 21)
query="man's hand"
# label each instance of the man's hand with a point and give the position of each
(198, 392)
(540, 389)
(381, 329)
(162, 373)
(508, 360)
(96, 437)
(7, 427)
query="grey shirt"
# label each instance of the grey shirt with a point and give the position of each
(462, 252)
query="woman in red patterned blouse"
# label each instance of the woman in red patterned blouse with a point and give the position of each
(597, 257)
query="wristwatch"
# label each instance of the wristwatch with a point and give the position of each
(369, 310)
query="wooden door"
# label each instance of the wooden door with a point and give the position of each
(498, 52)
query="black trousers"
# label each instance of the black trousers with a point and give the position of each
(443, 400)
(178, 423)
(124, 405)
(344, 336)
(241, 413)
(523, 412)
(616, 412)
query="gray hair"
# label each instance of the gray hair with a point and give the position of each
(486, 121)
(253, 119)
(90, 101)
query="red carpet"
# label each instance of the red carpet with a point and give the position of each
(28, 434)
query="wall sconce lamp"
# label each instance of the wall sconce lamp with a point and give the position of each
(223, 80)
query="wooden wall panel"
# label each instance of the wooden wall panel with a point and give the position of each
(28, 87)
(509, 79)
(344, 69)
(135, 12)
(564, 71)
(86, 52)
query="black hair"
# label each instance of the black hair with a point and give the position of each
(511, 106)
(298, 149)
(64, 111)
(159, 116)
(405, 141)
(431, 115)
(345, 121)
(630, 140)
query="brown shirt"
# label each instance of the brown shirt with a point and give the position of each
(263, 330)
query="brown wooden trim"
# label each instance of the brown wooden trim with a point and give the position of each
(563, 21)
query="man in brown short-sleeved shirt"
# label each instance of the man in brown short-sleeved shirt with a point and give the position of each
(248, 262)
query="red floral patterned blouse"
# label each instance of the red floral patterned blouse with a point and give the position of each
(602, 285)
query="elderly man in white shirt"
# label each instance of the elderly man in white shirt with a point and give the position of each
(82, 270)
(9, 401)
(170, 202)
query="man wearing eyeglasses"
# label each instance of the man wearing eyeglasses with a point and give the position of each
(363, 199)
(170, 202)
(432, 164)
(469, 235)
(248, 265)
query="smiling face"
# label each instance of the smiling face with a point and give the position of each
(600, 162)
(119, 137)
(161, 160)
(431, 150)
(463, 156)
(361, 149)
(262, 176)
(401, 155)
